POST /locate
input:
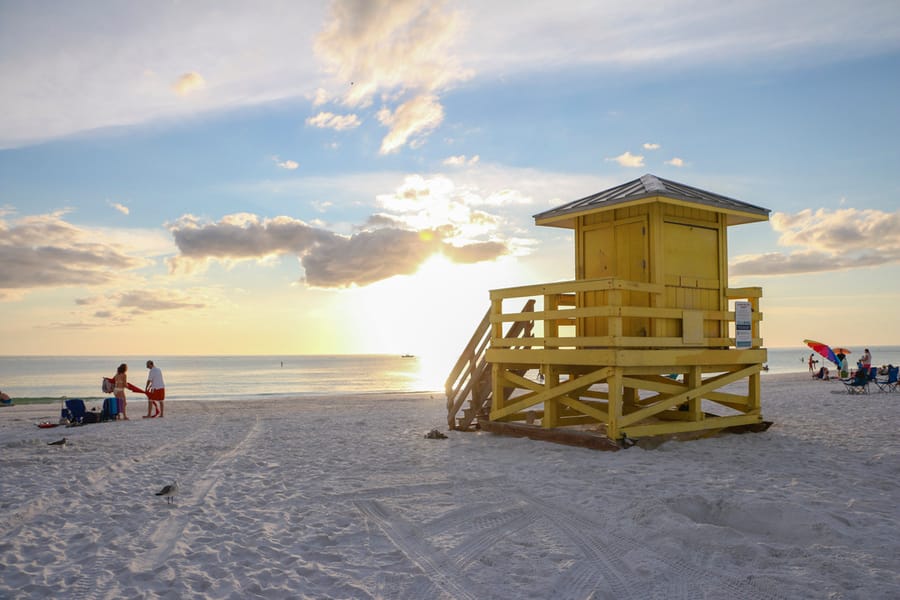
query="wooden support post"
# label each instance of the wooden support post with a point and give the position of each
(615, 403)
(753, 395)
(615, 322)
(551, 326)
(497, 395)
(629, 400)
(693, 379)
(551, 406)
(496, 323)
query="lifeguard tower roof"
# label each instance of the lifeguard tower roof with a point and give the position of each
(651, 188)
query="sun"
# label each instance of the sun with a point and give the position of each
(431, 312)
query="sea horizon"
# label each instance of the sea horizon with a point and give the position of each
(229, 376)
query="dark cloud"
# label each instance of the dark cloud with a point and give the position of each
(381, 251)
(245, 236)
(367, 257)
(46, 251)
(155, 301)
(827, 241)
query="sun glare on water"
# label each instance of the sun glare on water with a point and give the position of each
(430, 314)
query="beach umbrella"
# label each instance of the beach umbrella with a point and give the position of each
(840, 350)
(824, 350)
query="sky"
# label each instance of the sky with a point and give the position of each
(354, 176)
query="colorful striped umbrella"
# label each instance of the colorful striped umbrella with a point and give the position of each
(824, 350)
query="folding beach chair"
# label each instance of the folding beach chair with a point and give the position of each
(859, 384)
(889, 384)
(74, 411)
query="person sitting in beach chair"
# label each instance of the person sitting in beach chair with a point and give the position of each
(859, 384)
(5, 400)
(822, 373)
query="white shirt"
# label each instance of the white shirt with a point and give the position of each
(155, 379)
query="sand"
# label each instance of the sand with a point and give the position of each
(345, 498)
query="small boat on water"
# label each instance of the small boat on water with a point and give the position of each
(407, 356)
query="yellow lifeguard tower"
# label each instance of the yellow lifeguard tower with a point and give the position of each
(640, 344)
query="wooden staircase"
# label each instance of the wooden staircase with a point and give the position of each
(468, 388)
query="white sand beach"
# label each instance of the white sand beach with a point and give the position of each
(344, 498)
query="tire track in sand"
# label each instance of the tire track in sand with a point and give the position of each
(163, 535)
(679, 578)
(440, 570)
(94, 481)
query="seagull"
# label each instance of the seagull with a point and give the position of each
(169, 492)
(61, 442)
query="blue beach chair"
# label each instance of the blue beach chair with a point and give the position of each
(74, 411)
(859, 384)
(890, 384)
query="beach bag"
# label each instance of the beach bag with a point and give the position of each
(110, 409)
(107, 386)
(90, 417)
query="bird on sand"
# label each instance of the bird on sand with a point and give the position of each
(61, 442)
(168, 492)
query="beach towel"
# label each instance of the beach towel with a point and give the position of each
(135, 388)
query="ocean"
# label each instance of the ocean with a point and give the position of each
(212, 377)
(249, 377)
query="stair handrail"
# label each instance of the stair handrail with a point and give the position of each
(472, 365)
(459, 382)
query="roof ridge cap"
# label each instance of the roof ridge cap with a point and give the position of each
(652, 183)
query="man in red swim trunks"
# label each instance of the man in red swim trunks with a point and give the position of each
(156, 392)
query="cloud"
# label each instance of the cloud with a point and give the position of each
(461, 161)
(651, 146)
(290, 165)
(827, 241)
(188, 83)
(120, 207)
(320, 97)
(127, 306)
(402, 49)
(328, 259)
(421, 218)
(111, 67)
(578, 34)
(327, 120)
(367, 257)
(384, 45)
(473, 253)
(675, 162)
(159, 300)
(413, 119)
(628, 160)
(46, 251)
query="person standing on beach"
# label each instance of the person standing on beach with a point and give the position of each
(812, 364)
(156, 391)
(120, 381)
